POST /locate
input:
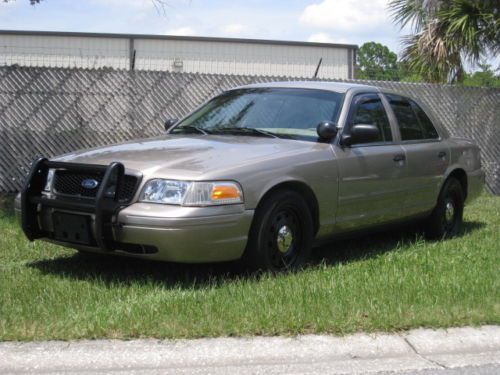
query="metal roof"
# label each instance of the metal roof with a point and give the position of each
(176, 37)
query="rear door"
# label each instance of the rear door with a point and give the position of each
(427, 156)
(369, 173)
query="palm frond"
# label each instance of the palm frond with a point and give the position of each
(414, 12)
(445, 33)
(431, 55)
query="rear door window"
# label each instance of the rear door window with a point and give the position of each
(409, 126)
(414, 124)
(425, 122)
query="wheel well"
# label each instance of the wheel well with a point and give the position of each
(305, 191)
(461, 176)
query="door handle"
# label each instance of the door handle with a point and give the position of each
(441, 154)
(399, 157)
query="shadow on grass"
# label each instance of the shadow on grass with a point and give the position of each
(114, 270)
(7, 205)
(375, 244)
(121, 270)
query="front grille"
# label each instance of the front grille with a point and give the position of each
(70, 183)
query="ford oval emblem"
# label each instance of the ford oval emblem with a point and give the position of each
(90, 184)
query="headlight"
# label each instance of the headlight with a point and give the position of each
(192, 193)
(165, 191)
(50, 179)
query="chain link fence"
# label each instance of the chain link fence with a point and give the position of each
(50, 111)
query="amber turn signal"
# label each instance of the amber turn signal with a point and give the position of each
(226, 191)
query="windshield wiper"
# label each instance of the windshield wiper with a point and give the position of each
(246, 130)
(189, 127)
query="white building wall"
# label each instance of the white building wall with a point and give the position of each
(192, 56)
(64, 51)
(240, 58)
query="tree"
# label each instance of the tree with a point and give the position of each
(446, 34)
(482, 78)
(32, 2)
(377, 62)
(159, 4)
(407, 75)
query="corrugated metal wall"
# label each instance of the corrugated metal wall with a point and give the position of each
(239, 58)
(47, 111)
(64, 51)
(209, 55)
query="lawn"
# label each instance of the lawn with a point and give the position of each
(384, 282)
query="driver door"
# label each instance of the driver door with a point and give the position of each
(369, 173)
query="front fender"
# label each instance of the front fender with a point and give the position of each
(316, 168)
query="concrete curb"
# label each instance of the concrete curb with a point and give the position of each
(360, 353)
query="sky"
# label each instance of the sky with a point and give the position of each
(329, 21)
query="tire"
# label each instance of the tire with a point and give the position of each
(446, 218)
(281, 234)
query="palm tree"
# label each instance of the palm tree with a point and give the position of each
(446, 34)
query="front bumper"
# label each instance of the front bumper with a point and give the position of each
(182, 234)
(152, 231)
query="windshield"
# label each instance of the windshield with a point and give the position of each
(275, 112)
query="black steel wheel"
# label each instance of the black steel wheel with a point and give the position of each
(446, 218)
(281, 235)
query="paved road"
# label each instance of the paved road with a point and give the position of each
(455, 351)
(480, 370)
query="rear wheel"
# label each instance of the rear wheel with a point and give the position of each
(281, 235)
(446, 218)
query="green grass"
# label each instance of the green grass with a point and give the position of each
(384, 282)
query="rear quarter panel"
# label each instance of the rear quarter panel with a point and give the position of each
(466, 155)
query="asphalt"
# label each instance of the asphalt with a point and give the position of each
(455, 351)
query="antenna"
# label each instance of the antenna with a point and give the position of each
(132, 61)
(317, 68)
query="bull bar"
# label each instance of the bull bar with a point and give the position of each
(104, 206)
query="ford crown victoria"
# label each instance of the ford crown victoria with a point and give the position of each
(259, 173)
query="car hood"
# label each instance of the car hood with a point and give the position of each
(187, 156)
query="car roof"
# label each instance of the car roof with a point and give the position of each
(343, 87)
(340, 87)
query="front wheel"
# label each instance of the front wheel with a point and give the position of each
(281, 235)
(446, 218)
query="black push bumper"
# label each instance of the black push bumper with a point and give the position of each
(103, 207)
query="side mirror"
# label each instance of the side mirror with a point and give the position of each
(361, 133)
(170, 122)
(326, 130)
